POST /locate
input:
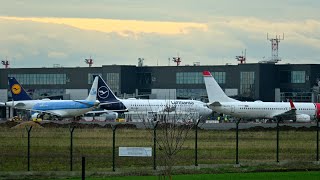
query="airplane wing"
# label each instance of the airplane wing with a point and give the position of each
(45, 112)
(106, 102)
(290, 113)
(98, 111)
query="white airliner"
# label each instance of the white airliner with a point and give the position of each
(221, 103)
(110, 102)
(55, 108)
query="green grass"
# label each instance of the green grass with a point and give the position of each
(50, 148)
(261, 176)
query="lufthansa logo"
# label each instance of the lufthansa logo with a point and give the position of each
(16, 89)
(103, 92)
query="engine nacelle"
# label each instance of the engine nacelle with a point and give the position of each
(302, 118)
(34, 115)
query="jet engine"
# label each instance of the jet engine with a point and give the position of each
(34, 115)
(302, 118)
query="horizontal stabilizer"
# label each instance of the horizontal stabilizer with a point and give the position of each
(215, 104)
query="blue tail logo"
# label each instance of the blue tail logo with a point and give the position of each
(17, 91)
(104, 92)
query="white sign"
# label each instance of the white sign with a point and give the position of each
(135, 151)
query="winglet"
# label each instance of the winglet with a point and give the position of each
(206, 73)
(292, 105)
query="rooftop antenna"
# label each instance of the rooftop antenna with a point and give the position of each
(5, 63)
(242, 58)
(140, 62)
(177, 60)
(274, 49)
(89, 61)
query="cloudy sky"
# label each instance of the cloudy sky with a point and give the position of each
(38, 33)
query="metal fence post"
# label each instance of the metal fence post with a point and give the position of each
(196, 145)
(237, 141)
(318, 139)
(278, 129)
(155, 145)
(71, 129)
(114, 127)
(83, 168)
(29, 134)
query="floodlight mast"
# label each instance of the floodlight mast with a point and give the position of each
(5, 63)
(89, 61)
(242, 59)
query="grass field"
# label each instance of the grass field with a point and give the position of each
(50, 148)
(246, 176)
(260, 176)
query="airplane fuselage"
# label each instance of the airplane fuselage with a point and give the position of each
(265, 110)
(62, 108)
(155, 105)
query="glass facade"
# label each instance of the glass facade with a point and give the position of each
(197, 77)
(292, 77)
(296, 96)
(43, 93)
(90, 77)
(40, 79)
(298, 76)
(113, 80)
(191, 93)
(247, 84)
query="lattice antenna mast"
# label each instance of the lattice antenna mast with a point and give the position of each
(89, 61)
(5, 63)
(275, 47)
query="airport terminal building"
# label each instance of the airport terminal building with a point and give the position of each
(248, 82)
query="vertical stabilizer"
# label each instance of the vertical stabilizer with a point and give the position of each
(93, 91)
(17, 91)
(214, 91)
(105, 94)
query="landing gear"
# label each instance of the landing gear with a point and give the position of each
(76, 118)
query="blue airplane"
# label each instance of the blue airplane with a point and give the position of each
(55, 108)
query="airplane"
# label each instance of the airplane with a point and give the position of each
(221, 103)
(57, 109)
(109, 101)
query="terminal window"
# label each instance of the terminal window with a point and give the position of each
(247, 84)
(197, 77)
(43, 79)
(292, 77)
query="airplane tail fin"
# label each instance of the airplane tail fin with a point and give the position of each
(17, 91)
(93, 91)
(214, 91)
(105, 94)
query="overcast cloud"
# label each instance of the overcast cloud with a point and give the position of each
(39, 33)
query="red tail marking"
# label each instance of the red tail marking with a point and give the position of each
(206, 73)
(317, 110)
(292, 105)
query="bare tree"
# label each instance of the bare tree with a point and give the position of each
(173, 126)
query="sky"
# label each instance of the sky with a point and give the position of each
(43, 33)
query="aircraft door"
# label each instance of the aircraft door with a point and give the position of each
(233, 108)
